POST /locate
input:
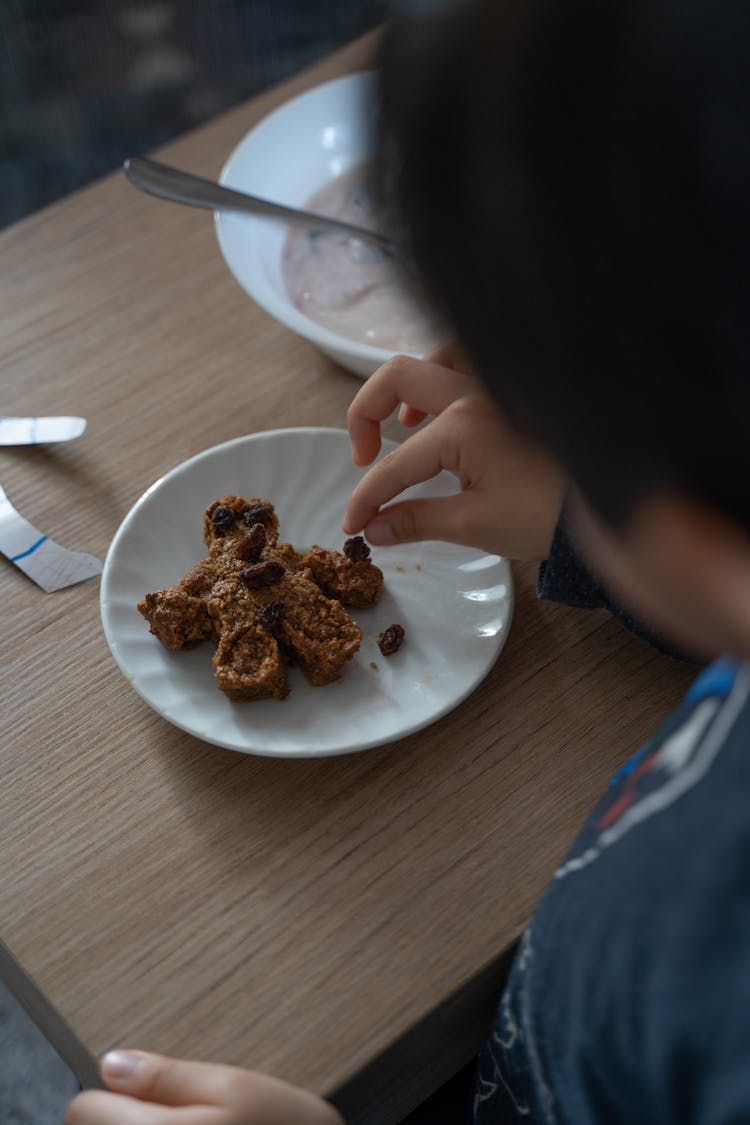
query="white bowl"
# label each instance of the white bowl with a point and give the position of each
(287, 157)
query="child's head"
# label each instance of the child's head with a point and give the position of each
(576, 180)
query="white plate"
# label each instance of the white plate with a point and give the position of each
(454, 603)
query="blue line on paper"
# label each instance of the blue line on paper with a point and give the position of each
(30, 551)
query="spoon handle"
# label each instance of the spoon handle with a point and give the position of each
(182, 187)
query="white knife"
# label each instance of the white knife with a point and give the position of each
(39, 431)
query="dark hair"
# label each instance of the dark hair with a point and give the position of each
(575, 178)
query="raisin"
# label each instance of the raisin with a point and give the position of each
(356, 549)
(262, 574)
(252, 545)
(260, 512)
(269, 616)
(391, 640)
(222, 517)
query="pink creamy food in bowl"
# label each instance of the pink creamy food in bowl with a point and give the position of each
(311, 153)
(349, 286)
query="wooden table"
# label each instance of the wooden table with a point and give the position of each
(343, 923)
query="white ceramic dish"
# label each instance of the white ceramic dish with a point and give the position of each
(454, 603)
(287, 157)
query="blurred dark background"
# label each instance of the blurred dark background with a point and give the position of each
(85, 83)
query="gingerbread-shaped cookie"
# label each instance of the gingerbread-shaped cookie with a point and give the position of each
(264, 603)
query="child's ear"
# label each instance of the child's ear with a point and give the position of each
(705, 558)
(680, 567)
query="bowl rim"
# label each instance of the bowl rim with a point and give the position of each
(265, 296)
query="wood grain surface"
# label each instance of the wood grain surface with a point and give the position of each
(342, 923)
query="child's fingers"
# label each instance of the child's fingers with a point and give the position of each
(155, 1090)
(95, 1107)
(409, 417)
(420, 458)
(426, 387)
(412, 521)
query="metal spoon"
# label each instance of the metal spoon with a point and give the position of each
(182, 187)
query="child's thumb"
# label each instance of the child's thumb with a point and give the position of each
(165, 1081)
(412, 521)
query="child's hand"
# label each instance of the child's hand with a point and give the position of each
(511, 491)
(153, 1090)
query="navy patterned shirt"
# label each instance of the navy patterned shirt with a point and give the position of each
(629, 997)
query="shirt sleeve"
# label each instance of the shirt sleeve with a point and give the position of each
(564, 577)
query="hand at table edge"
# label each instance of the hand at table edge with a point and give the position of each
(149, 1089)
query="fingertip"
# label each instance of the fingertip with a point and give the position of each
(126, 1069)
(365, 440)
(117, 1063)
(359, 446)
(348, 524)
(352, 526)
